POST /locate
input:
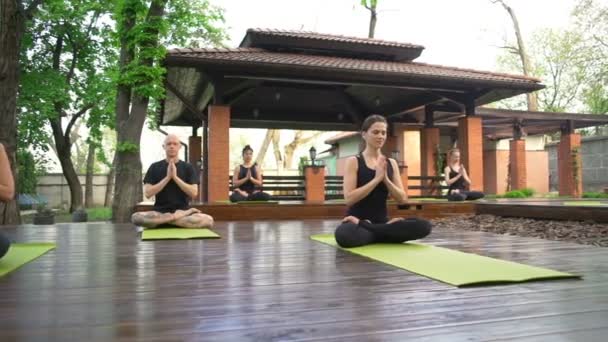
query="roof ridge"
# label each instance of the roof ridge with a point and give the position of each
(216, 49)
(331, 36)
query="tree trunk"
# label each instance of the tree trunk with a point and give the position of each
(128, 187)
(107, 202)
(12, 28)
(88, 188)
(276, 137)
(73, 182)
(525, 61)
(264, 148)
(372, 23)
(294, 144)
(63, 145)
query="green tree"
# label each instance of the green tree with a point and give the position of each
(560, 60)
(143, 27)
(591, 17)
(66, 59)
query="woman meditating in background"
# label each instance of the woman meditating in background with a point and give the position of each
(457, 178)
(368, 180)
(247, 180)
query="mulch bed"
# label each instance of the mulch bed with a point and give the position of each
(585, 232)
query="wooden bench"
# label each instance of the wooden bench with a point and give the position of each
(432, 185)
(283, 188)
(293, 188)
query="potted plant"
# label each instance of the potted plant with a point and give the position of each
(44, 215)
(80, 215)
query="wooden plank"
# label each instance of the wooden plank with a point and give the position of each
(267, 281)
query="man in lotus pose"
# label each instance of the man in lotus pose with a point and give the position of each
(173, 182)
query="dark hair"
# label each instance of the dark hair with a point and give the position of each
(372, 119)
(246, 148)
(452, 151)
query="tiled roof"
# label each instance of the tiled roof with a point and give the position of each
(257, 56)
(332, 38)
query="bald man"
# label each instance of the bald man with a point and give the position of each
(173, 183)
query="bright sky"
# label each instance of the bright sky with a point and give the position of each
(461, 33)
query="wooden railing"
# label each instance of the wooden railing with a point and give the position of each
(293, 188)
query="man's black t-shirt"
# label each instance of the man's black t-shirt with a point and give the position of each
(171, 197)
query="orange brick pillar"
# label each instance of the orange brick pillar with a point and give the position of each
(517, 162)
(194, 158)
(219, 153)
(315, 183)
(570, 171)
(470, 143)
(429, 141)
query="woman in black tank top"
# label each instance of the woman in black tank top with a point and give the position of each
(457, 178)
(368, 180)
(247, 180)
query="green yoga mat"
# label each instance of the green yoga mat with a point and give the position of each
(248, 202)
(20, 254)
(585, 203)
(447, 265)
(178, 234)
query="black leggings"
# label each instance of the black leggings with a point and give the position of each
(4, 245)
(256, 196)
(465, 196)
(349, 234)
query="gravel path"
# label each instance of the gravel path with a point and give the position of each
(587, 233)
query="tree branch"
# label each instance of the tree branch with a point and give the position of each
(81, 112)
(599, 40)
(29, 12)
(512, 49)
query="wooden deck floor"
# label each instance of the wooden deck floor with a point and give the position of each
(267, 281)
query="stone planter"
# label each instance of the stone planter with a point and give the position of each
(79, 215)
(44, 219)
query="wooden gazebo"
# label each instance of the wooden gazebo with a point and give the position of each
(307, 80)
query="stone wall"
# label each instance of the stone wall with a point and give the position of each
(594, 153)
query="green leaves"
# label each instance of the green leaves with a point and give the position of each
(127, 146)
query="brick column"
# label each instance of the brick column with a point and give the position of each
(517, 162)
(315, 183)
(429, 140)
(219, 153)
(470, 143)
(194, 157)
(570, 166)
